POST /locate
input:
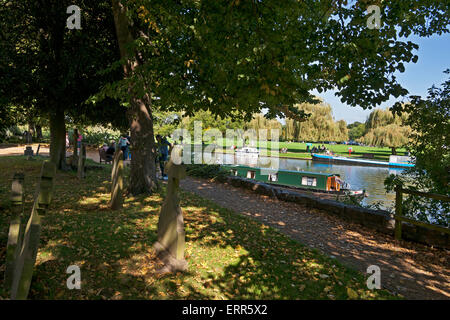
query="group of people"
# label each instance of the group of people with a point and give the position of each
(320, 149)
(123, 144)
(162, 150)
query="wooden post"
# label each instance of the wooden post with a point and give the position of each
(44, 196)
(81, 162)
(398, 211)
(24, 265)
(29, 243)
(171, 236)
(117, 181)
(15, 229)
(38, 148)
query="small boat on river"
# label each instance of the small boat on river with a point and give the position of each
(394, 161)
(324, 185)
(247, 150)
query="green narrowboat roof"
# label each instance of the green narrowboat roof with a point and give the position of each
(318, 174)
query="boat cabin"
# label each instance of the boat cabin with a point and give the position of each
(299, 179)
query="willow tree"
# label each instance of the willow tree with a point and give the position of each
(392, 136)
(244, 56)
(386, 129)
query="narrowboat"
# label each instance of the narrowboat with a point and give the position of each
(326, 185)
(394, 161)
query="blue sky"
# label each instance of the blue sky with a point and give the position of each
(434, 58)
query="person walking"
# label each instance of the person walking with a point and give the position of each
(163, 153)
(79, 140)
(123, 145)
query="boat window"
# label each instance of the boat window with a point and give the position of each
(251, 174)
(309, 181)
(273, 177)
(234, 172)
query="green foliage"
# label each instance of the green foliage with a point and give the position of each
(319, 126)
(385, 129)
(259, 121)
(430, 120)
(391, 135)
(99, 135)
(356, 130)
(213, 171)
(244, 56)
(50, 67)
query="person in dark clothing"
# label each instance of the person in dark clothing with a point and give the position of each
(128, 145)
(110, 151)
(163, 153)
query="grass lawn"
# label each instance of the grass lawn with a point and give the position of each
(229, 256)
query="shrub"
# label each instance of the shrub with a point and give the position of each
(213, 171)
(98, 135)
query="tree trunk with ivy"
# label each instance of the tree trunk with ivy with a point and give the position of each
(143, 166)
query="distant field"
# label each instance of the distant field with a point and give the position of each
(298, 150)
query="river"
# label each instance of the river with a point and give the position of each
(366, 178)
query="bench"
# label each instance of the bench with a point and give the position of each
(368, 155)
(103, 156)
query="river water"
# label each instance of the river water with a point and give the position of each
(366, 178)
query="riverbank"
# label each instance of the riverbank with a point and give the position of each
(297, 150)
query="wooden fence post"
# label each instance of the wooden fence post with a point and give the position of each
(116, 201)
(15, 229)
(398, 211)
(26, 257)
(81, 162)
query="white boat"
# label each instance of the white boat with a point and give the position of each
(250, 150)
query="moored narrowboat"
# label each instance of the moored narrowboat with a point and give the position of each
(394, 161)
(313, 182)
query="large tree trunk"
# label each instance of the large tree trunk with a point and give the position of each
(39, 136)
(58, 139)
(143, 167)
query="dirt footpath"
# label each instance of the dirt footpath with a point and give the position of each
(410, 269)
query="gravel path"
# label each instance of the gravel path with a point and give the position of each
(410, 269)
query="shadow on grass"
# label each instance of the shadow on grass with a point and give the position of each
(229, 256)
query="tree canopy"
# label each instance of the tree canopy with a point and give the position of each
(244, 56)
(52, 70)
